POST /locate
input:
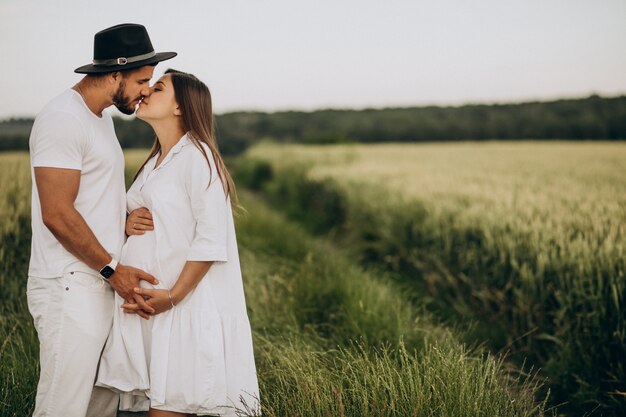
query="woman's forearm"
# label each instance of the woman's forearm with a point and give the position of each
(192, 273)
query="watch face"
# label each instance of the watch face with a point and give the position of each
(107, 271)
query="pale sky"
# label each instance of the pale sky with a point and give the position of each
(277, 54)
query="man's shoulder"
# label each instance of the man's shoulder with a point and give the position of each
(57, 121)
(63, 102)
(61, 106)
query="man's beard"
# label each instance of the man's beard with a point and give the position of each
(121, 101)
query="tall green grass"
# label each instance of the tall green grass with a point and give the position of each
(18, 339)
(335, 340)
(540, 265)
(331, 339)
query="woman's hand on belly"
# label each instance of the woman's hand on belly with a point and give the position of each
(159, 300)
(125, 279)
(139, 221)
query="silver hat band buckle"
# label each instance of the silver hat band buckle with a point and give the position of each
(123, 60)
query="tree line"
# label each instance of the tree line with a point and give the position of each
(591, 118)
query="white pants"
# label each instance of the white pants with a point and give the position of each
(73, 316)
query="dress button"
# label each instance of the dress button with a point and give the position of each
(72, 273)
(67, 288)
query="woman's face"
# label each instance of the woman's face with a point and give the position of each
(161, 103)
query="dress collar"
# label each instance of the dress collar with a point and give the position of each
(149, 167)
(184, 141)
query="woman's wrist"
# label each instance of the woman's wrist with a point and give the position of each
(176, 295)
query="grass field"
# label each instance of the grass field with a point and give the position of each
(525, 238)
(331, 338)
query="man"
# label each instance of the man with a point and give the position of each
(78, 219)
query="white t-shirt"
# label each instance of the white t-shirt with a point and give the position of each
(66, 134)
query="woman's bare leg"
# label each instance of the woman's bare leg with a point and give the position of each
(153, 412)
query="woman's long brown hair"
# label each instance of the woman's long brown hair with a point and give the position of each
(194, 100)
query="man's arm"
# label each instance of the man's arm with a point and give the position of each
(57, 190)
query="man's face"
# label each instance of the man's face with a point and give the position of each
(133, 86)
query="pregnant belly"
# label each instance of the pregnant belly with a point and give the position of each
(140, 251)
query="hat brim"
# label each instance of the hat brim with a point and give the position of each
(100, 69)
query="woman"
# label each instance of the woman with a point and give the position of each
(194, 357)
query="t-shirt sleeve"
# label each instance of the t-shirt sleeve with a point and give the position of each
(58, 141)
(210, 211)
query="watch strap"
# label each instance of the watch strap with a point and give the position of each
(113, 263)
(109, 269)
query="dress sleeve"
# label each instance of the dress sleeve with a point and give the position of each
(210, 210)
(58, 141)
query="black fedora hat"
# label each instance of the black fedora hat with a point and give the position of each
(122, 47)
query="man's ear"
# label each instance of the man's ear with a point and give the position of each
(114, 77)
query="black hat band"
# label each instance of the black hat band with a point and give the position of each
(123, 60)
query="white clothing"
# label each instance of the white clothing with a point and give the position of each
(66, 134)
(70, 303)
(73, 316)
(198, 356)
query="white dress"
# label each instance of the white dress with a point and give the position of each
(197, 357)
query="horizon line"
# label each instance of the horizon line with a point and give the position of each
(382, 107)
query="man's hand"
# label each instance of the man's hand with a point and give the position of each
(139, 221)
(125, 280)
(158, 299)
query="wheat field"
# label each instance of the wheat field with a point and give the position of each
(331, 338)
(527, 238)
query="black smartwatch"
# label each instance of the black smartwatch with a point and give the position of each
(109, 269)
